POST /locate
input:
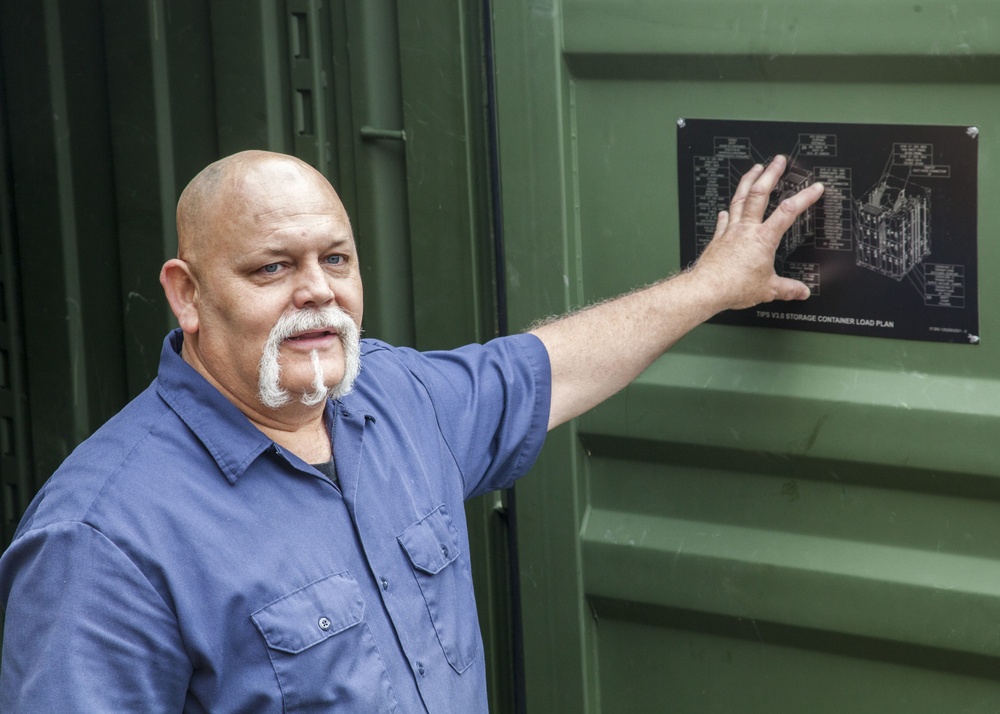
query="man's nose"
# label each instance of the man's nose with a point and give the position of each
(315, 288)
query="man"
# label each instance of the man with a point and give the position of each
(276, 523)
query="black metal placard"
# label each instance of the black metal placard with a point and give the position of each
(890, 248)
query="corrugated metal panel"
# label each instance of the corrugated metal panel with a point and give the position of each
(63, 221)
(16, 483)
(766, 520)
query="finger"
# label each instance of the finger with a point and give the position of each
(792, 207)
(760, 192)
(789, 289)
(721, 223)
(742, 191)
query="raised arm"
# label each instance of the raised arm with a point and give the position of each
(597, 351)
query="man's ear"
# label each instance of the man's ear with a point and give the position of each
(181, 288)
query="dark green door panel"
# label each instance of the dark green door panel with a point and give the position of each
(16, 482)
(61, 217)
(767, 520)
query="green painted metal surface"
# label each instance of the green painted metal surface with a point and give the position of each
(62, 217)
(766, 521)
(162, 131)
(16, 481)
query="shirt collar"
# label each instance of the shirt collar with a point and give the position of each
(232, 440)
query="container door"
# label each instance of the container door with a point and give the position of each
(791, 511)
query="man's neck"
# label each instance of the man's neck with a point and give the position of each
(310, 441)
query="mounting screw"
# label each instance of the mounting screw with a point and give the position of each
(681, 123)
(974, 339)
(973, 132)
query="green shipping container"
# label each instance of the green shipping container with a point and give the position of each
(767, 520)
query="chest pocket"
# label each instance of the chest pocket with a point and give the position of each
(445, 578)
(321, 649)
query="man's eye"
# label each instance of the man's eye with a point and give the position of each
(270, 268)
(335, 259)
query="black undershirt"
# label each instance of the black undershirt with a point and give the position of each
(329, 469)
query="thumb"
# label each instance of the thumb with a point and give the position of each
(789, 289)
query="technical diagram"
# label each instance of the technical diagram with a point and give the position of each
(894, 224)
(794, 180)
(890, 248)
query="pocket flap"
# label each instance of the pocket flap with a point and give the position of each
(311, 614)
(431, 542)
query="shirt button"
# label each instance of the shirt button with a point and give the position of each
(420, 669)
(444, 550)
(385, 584)
(324, 623)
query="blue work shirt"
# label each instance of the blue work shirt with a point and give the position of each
(180, 560)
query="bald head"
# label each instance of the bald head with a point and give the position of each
(230, 195)
(262, 237)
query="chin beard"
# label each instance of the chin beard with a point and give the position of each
(270, 391)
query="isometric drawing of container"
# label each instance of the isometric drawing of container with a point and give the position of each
(893, 225)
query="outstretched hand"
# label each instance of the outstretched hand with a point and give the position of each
(597, 351)
(739, 261)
